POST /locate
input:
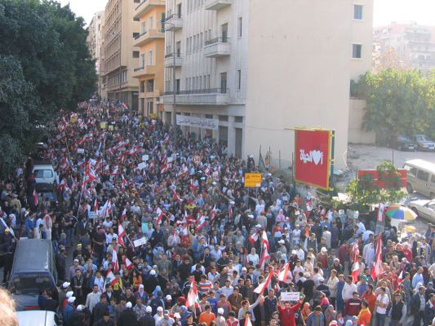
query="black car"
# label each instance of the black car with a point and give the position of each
(403, 143)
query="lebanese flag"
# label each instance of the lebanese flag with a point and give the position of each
(35, 198)
(213, 213)
(124, 182)
(283, 274)
(121, 235)
(355, 272)
(128, 264)
(246, 257)
(115, 171)
(400, 278)
(159, 215)
(260, 288)
(184, 172)
(115, 260)
(230, 211)
(110, 278)
(264, 256)
(254, 237)
(124, 215)
(177, 198)
(265, 240)
(201, 222)
(192, 296)
(107, 208)
(248, 321)
(164, 168)
(381, 213)
(376, 269)
(96, 206)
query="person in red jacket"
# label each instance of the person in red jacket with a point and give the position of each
(287, 312)
(353, 306)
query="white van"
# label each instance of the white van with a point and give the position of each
(44, 173)
(37, 318)
(420, 177)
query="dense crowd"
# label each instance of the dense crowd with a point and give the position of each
(160, 231)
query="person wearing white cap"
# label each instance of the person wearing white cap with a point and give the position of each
(127, 317)
(68, 310)
(148, 319)
(166, 320)
(159, 315)
(220, 319)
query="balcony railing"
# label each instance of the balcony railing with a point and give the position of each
(217, 40)
(169, 55)
(140, 35)
(138, 69)
(200, 91)
(140, 5)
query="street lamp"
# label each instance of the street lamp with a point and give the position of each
(174, 105)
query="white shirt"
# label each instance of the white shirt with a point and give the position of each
(384, 300)
(254, 258)
(227, 291)
(348, 291)
(92, 299)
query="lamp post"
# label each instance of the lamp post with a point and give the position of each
(174, 84)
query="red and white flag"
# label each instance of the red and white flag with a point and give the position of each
(177, 198)
(213, 213)
(115, 260)
(159, 216)
(124, 215)
(265, 240)
(201, 222)
(355, 272)
(110, 278)
(128, 263)
(121, 235)
(376, 268)
(96, 206)
(263, 286)
(381, 213)
(248, 321)
(283, 274)
(115, 171)
(400, 278)
(124, 182)
(254, 237)
(192, 296)
(35, 198)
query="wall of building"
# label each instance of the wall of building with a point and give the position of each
(356, 117)
(299, 74)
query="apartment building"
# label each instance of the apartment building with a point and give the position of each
(94, 41)
(119, 55)
(250, 71)
(151, 44)
(406, 45)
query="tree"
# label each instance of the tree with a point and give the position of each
(398, 101)
(365, 192)
(45, 67)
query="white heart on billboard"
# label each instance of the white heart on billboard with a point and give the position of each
(317, 156)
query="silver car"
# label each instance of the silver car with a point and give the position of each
(424, 208)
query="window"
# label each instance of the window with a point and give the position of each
(150, 85)
(356, 51)
(136, 1)
(150, 58)
(223, 118)
(135, 54)
(142, 86)
(432, 179)
(151, 22)
(143, 27)
(240, 27)
(422, 175)
(357, 12)
(239, 79)
(142, 60)
(238, 119)
(135, 35)
(136, 19)
(224, 83)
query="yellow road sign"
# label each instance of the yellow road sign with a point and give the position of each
(252, 180)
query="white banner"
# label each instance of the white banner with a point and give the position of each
(204, 123)
(290, 296)
(140, 242)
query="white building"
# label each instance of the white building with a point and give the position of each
(259, 67)
(94, 41)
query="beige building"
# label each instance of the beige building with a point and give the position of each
(251, 69)
(151, 44)
(94, 41)
(119, 55)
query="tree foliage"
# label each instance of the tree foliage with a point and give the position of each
(45, 67)
(398, 102)
(365, 192)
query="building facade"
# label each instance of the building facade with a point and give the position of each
(151, 44)
(119, 55)
(404, 45)
(258, 70)
(94, 40)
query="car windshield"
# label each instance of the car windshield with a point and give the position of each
(50, 195)
(30, 284)
(403, 138)
(43, 174)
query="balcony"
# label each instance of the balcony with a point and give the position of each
(173, 22)
(146, 6)
(217, 4)
(213, 96)
(169, 60)
(217, 47)
(146, 71)
(148, 36)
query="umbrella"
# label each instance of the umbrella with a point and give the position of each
(400, 212)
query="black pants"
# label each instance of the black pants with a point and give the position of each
(418, 318)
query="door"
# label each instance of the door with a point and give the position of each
(177, 82)
(179, 10)
(224, 28)
(239, 135)
(422, 181)
(223, 83)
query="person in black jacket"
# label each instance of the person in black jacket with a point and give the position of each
(100, 308)
(127, 317)
(106, 320)
(429, 310)
(148, 319)
(416, 306)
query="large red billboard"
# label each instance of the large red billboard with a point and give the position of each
(312, 162)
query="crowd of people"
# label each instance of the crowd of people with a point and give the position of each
(154, 227)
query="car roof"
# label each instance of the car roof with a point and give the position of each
(35, 318)
(32, 255)
(422, 164)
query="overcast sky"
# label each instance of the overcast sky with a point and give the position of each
(386, 11)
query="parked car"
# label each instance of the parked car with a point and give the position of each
(37, 317)
(424, 143)
(420, 177)
(403, 143)
(424, 208)
(44, 172)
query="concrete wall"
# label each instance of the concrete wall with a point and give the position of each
(356, 116)
(299, 75)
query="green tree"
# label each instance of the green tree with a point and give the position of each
(398, 101)
(365, 192)
(45, 67)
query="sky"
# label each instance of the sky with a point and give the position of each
(385, 11)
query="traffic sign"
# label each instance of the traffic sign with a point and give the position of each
(252, 180)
